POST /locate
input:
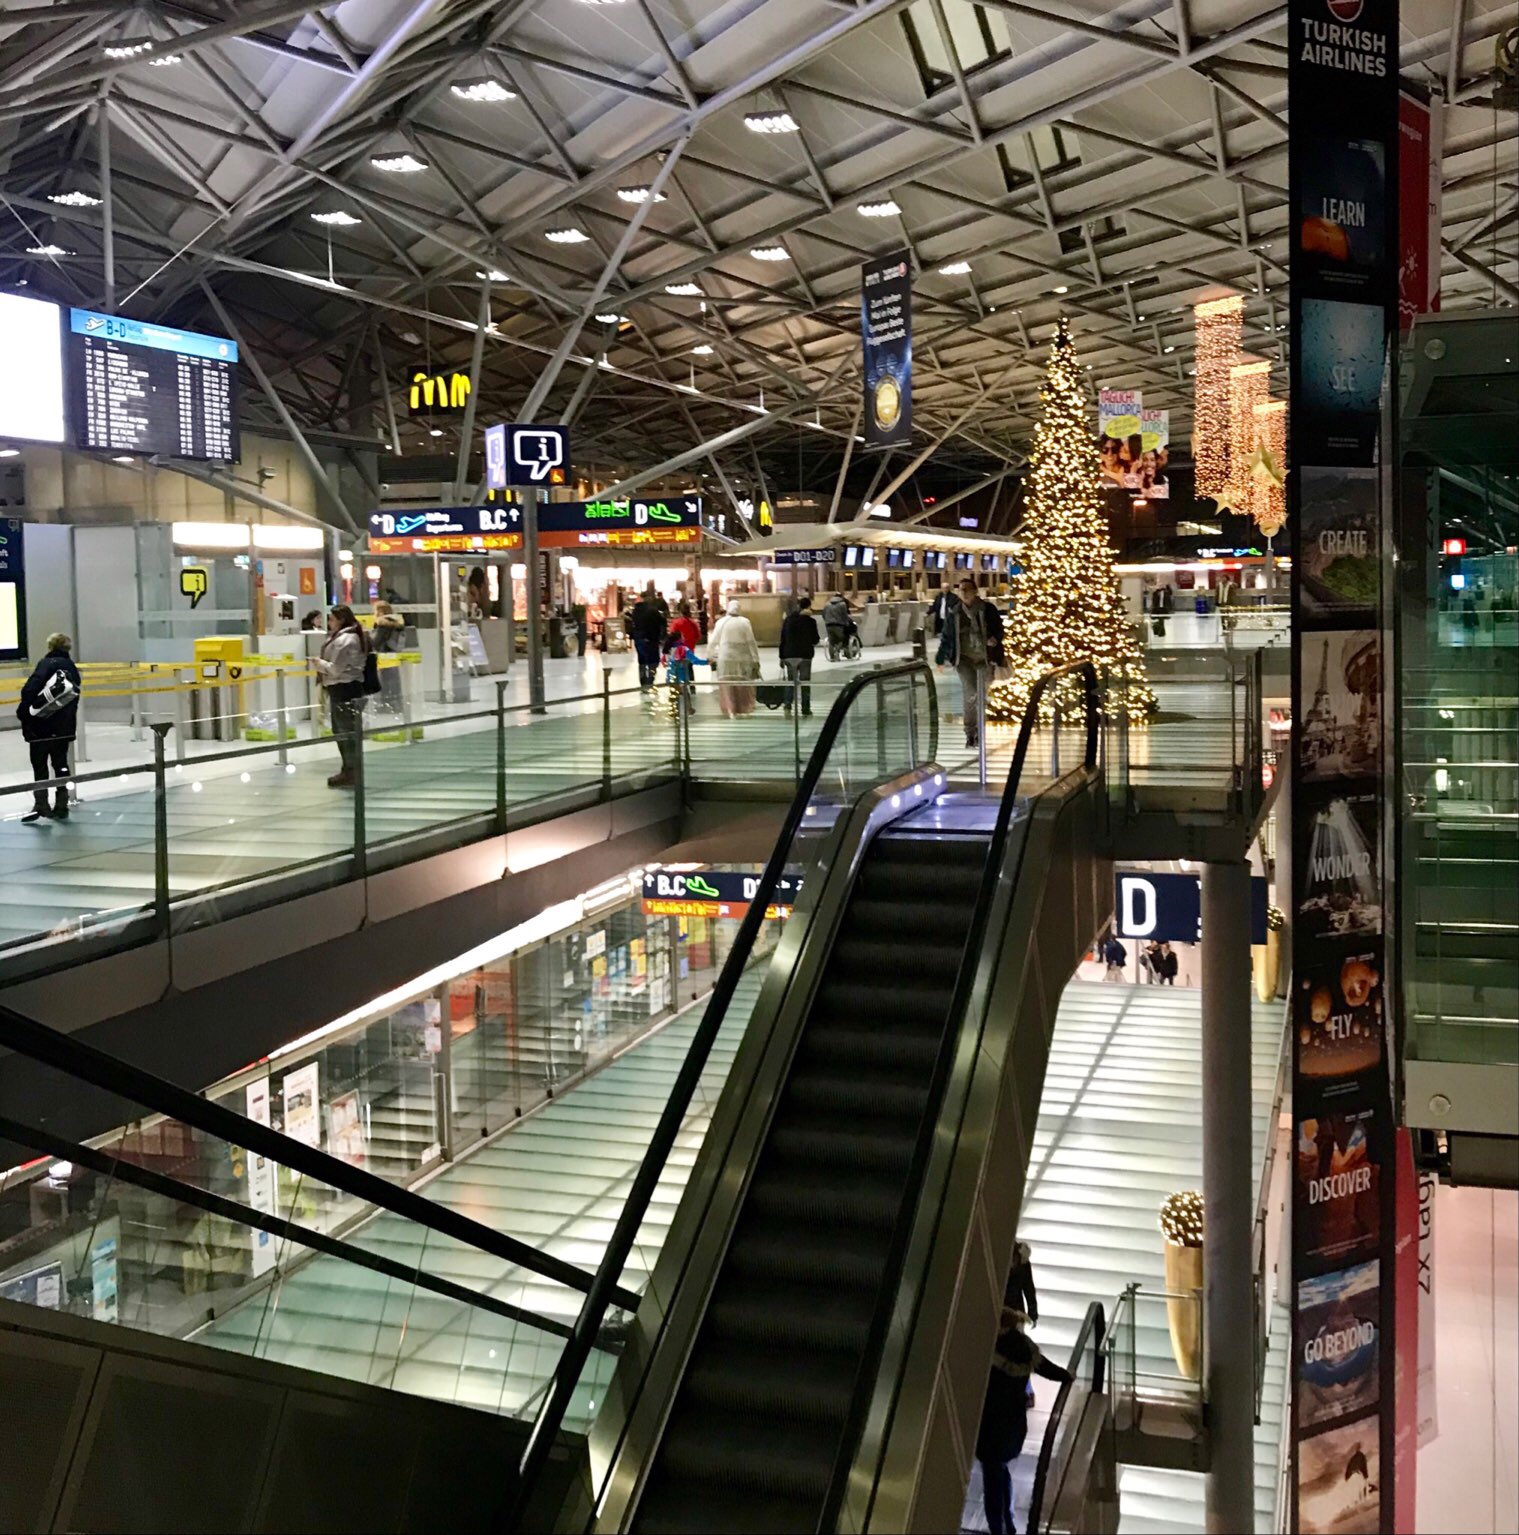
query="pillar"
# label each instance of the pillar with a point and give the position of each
(1228, 1196)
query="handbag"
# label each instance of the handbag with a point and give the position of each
(771, 694)
(371, 672)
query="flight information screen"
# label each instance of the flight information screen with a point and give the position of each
(141, 388)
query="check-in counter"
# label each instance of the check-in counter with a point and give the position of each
(495, 642)
(874, 622)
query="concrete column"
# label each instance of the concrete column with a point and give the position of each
(1228, 1196)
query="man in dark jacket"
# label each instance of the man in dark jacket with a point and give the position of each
(799, 640)
(49, 715)
(972, 644)
(646, 626)
(1004, 1415)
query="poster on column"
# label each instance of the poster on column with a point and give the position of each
(1155, 455)
(1119, 435)
(261, 1179)
(1343, 194)
(886, 334)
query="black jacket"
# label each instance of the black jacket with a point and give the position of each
(62, 724)
(1004, 1413)
(955, 615)
(647, 621)
(799, 636)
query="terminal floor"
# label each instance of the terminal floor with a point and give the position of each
(1119, 1129)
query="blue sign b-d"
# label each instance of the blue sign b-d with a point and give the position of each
(1168, 908)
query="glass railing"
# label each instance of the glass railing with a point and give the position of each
(199, 830)
(1156, 1356)
(201, 1220)
(1059, 1461)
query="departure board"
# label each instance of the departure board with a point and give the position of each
(141, 388)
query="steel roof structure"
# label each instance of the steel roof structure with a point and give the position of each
(648, 216)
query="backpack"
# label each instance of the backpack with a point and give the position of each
(371, 672)
(58, 692)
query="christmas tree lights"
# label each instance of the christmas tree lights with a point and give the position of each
(1068, 606)
(1268, 469)
(1249, 384)
(1219, 323)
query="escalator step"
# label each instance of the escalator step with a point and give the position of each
(884, 1003)
(885, 917)
(790, 1316)
(765, 1247)
(856, 1098)
(944, 883)
(823, 1196)
(811, 1386)
(870, 1048)
(864, 959)
(831, 1145)
(918, 851)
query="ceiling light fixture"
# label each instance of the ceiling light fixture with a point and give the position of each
(771, 122)
(566, 236)
(128, 48)
(338, 218)
(883, 210)
(123, 458)
(611, 319)
(955, 269)
(1063, 288)
(480, 91)
(683, 290)
(639, 195)
(703, 350)
(436, 431)
(164, 58)
(74, 200)
(403, 164)
(10, 452)
(47, 250)
(494, 275)
(770, 253)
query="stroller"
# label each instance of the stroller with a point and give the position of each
(844, 640)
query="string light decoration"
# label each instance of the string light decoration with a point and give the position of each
(1268, 468)
(1069, 605)
(1181, 1218)
(1249, 385)
(1219, 324)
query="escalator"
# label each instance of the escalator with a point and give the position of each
(754, 1434)
(827, 1297)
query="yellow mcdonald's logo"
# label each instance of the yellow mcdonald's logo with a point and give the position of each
(431, 391)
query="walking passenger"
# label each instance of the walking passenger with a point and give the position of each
(1004, 1415)
(646, 628)
(736, 660)
(49, 715)
(973, 645)
(799, 640)
(341, 669)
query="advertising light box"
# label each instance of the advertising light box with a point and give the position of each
(619, 524)
(31, 369)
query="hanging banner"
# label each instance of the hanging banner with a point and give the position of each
(886, 332)
(1155, 457)
(1420, 123)
(1349, 1461)
(1120, 435)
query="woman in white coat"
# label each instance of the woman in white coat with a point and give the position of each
(735, 662)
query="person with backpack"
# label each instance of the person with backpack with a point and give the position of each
(49, 715)
(346, 667)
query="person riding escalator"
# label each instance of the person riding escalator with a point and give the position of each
(1004, 1415)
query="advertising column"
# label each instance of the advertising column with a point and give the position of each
(886, 331)
(1342, 161)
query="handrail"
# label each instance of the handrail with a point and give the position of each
(959, 1004)
(1093, 1321)
(601, 1294)
(115, 1168)
(74, 1058)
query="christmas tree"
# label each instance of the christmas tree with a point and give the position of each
(1068, 606)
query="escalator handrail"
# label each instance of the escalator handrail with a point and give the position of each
(959, 1004)
(1093, 1325)
(645, 1182)
(73, 1058)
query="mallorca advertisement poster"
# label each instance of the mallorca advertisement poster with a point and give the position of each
(1120, 435)
(886, 333)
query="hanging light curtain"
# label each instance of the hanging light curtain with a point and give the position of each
(1268, 471)
(1249, 385)
(1219, 324)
